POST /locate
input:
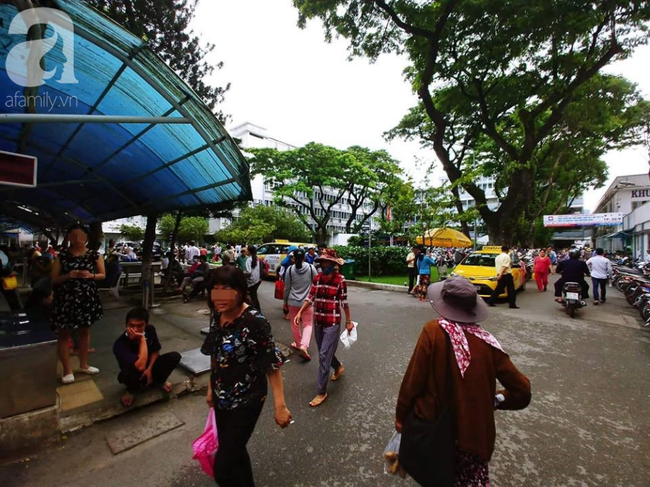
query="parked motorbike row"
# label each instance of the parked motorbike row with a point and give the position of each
(633, 280)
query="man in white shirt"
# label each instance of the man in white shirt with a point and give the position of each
(412, 269)
(600, 268)
(503, 265)
(192, 251)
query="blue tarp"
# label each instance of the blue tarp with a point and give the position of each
(102, 171)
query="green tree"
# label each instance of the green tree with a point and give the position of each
(399, 201)
(191, 228)
(372, 174)
(165, 26)
(132, 233)
(505, 72)
(312, 180)
(257, 224)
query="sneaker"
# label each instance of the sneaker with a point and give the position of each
(596, 303)
(602, 301)
(90, 370)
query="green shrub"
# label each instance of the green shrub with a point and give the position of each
(385, 261)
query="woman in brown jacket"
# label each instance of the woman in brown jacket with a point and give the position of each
(478, 362)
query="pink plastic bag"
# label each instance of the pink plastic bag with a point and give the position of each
(205, 446)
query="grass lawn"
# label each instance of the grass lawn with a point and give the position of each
(398, 280)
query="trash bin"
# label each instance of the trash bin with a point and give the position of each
(28, 363)
(348, 270)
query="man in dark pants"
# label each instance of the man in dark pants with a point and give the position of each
(411, 263)
(601, 269)
(503, 264)
(572, 270)
(138, 354)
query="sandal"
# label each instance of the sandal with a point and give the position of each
(304, 354)
(294, 346)
(338, 373)
(318, 400)
(128, 399)
(167, 387)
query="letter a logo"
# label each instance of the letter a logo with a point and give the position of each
(24, 59)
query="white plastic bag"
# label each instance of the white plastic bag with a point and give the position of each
(349, 338)
(391, 455)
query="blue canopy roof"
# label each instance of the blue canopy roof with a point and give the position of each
(130, 137)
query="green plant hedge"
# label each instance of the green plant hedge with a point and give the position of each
(386, 261)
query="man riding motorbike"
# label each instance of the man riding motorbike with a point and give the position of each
(573, 270)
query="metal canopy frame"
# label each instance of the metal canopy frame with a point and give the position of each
(128, 55)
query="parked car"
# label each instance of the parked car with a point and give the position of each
(479, 268)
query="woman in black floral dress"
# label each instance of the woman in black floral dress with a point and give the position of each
(243, 355)
(76, 299)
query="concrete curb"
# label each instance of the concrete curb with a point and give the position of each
(93, 415)
(191, 384)
(377, 286)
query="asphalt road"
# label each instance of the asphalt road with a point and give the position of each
(587, 424)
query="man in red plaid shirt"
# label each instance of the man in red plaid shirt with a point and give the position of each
(328, 294)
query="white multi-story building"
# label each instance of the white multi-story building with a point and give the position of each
(629, 195)
(254, 136)
(111, 229)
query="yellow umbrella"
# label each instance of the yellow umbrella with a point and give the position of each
(444, 237)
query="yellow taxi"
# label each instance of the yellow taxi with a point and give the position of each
(480, 269)
(274, 252)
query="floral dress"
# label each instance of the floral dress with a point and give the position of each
(243, 353)
(76, 301)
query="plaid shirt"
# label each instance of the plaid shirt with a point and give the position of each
(328, 294)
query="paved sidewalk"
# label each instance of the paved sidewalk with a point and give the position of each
(587, 424)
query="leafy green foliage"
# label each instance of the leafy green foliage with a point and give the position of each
(165, 26)
(498, 83)
(191, 228)
(300, 176)
(258, 224)
(386, 261)
(132, 233)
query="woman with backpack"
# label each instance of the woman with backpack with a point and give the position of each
(448, 397)
(297, 284)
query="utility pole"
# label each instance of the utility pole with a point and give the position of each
(366, 227)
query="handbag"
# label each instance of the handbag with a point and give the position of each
(279, 289)
(205, 446)
(428, 449)
(9, 283)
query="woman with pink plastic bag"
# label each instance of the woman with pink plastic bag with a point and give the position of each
(243, 355)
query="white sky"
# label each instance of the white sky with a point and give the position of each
(302, 89)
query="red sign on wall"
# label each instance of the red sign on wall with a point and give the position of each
(18, 169)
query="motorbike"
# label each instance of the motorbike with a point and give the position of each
(572, 298)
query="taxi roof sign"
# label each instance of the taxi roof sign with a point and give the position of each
(492, 247)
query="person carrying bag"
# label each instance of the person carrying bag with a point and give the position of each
(445, 408)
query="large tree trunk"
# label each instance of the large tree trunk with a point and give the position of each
(320, 236)
(172, 246)
(147, 278)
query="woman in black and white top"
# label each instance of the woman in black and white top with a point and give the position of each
(253, 276)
